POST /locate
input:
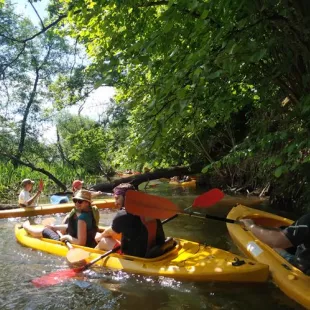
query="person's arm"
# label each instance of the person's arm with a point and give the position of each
(108, 233)
(57, 227)
(115, 230)
(275, 238)
(96, 194)
(81, 234)
(33, 198)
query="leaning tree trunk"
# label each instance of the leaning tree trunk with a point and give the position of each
(160, 173)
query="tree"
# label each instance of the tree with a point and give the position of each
(185, 69)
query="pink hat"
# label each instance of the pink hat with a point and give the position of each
(77, 183)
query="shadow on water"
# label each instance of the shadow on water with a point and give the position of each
(103, 289)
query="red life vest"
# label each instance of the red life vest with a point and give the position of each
(151, 226)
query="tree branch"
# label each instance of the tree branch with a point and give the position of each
(33, 167)
(42, 24)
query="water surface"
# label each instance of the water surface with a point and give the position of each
(102, 289)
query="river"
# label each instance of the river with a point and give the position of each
(103, 289)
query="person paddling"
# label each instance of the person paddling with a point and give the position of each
(292, 242)
(139, 234)
(25, 199)
(78, 185)
(81, 227)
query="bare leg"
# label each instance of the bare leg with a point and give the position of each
(107, 244)
(33, 231)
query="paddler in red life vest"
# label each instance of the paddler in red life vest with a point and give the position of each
(139, 234)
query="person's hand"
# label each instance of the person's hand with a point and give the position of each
(98, 238)
(247, 223)
(66, 237)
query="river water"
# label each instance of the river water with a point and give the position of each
(103, 289)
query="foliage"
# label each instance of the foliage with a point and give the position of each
(217, 81)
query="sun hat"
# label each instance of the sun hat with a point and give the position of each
(82, 194)
(77, 183)
(121, 189)
(27, 181)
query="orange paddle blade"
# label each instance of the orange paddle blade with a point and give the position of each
(142, 204)
(209, 198)
(77, 256)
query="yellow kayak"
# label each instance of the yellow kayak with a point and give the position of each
(52, 208)
(290, 280)
(187, 184)
(187, 260)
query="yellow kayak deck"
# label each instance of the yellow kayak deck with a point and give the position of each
(188, 260)
(290, 280)
(52, 209)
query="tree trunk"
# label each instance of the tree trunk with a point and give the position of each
(25, 117)
(161, 173)
(33, 167)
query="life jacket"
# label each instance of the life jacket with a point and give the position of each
(151, 226)
(91, 233)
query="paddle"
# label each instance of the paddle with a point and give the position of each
(143, 204)
(207, 199)
(75, 256)
(63, 275)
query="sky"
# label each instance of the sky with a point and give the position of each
(96, 103)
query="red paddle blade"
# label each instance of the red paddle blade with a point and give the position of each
(209, 198)
(41, 185)
(56, 277)
(138, 203)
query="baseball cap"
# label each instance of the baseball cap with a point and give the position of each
(27, 181)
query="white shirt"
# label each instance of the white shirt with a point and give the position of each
(24, 196)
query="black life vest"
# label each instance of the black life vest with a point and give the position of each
(91, 233)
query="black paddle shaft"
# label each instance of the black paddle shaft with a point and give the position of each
(197, 215)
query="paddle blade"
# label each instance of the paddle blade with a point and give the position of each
(209, 198)
(56, 277)
(77, 256)
(41, 185)
(142, 204)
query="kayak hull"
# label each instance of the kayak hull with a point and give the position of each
(52, 209)
(289, 279)
(187, 261)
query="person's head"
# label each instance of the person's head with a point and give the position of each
(82, 199)
(77, 185)
(120, 192)
(27, 184)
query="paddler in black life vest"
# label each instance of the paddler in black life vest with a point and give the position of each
(81, 226)
(139, 234)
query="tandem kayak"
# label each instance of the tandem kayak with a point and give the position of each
(187, 184)
(289, 279)
(52, 208)
(187, 260)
